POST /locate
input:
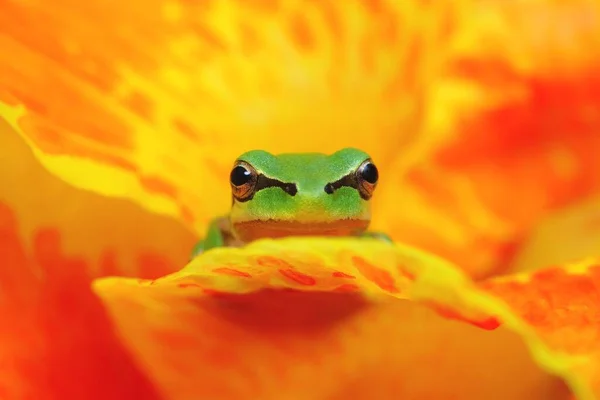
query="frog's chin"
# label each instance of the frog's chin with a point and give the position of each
(248, 231)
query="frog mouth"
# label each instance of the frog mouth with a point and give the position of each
(252, 230)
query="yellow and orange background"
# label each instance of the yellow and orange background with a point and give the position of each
(119, 122)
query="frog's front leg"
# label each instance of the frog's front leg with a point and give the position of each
(377, 235)
(218, 234)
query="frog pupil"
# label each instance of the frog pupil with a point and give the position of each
(369, 173)
(240, 176)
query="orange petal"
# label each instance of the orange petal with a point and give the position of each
(562, 305)
(149, 125)
(321, 319)
(572, 233)
(157, 107)
(56, 339)
(114, 236)
(511, 133)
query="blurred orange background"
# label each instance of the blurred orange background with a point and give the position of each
(120, 121)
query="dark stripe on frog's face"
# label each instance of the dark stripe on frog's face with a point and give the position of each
(291, 188)
(349, 180)
(264, 182)
(310, 172)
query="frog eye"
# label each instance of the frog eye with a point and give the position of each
(243, 178)
(367, 176)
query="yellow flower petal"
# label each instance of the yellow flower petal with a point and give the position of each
(458, 111)
(320, 318)
(156, 107)
(114, 236)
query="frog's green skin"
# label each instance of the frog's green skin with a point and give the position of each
(275, 210)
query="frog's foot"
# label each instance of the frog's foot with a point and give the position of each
(378, 235)
(197, 250)
(218, 235)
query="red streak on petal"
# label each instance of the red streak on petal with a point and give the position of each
(489, 323)
(140, 104)
(301, 32)
(406, 273)
(347, 288)
(272, 262)
(298, 277)
(232, 272)
(155, 184)
(380, 277)
(209, 36)
(338, 274)
(186, 214)
(188, 285)
(185, 129)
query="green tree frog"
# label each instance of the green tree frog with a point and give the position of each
(296, 194)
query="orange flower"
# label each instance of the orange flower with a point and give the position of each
(119, 122)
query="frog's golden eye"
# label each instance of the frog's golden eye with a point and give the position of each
(243, 179)
(367, 176)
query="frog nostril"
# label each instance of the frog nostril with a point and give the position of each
(329, 189)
